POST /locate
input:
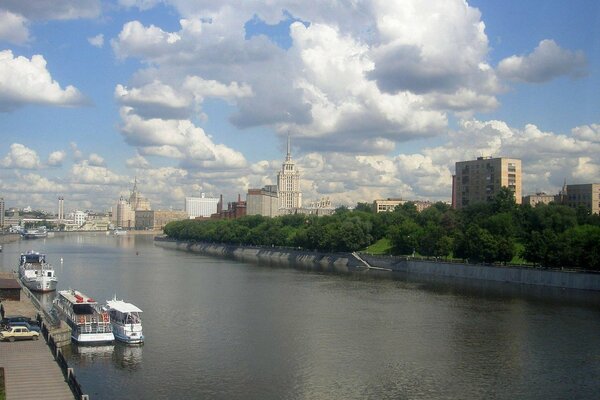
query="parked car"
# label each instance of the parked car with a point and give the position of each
(18, 333)
(27, 325)
(6, 321)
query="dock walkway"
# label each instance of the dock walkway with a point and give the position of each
(30, 372)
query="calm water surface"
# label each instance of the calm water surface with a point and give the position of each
(220, 329)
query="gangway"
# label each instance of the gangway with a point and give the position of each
(369, 266)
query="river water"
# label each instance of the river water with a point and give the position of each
(221, 329)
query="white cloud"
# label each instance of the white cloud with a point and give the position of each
(24, 81)
(587, 132)
(97, 41)
(178, 139)
(546, 62)
(155, 99)
(434, 46)
(138, 162)
(21, 157)
(96, 160)
(56, 158)
(55, 9)
(85, 173)
(77, 154)
(13, 28)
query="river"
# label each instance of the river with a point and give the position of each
(222, 329)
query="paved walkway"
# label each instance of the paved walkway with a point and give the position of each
(30, 372)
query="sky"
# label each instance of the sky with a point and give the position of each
(379, 97)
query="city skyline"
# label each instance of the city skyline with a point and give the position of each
(380, 98)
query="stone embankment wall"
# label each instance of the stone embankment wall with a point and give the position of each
(314, 261)
(379, 266)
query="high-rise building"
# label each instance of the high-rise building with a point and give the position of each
(201, 206)
(136, 200)
(263, 201)
(125, 217)
(480, 180)
(587, 195)
(288, 183)
(1, 212)
(61, 209)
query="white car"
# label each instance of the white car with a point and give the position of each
(18, 333)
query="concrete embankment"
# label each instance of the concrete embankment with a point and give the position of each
(313, 261)
(390, 266)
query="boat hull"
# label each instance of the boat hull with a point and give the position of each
(92, 338)
(40, 285)
(129, 339)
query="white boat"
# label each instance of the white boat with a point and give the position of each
(36, 273)
(119, 232)
(89, 323)
(35, 233)
(126, 321)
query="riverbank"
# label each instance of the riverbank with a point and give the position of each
(388, 267)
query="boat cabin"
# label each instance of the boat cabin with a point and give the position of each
(124, 313)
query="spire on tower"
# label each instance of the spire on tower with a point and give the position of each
(289, 149)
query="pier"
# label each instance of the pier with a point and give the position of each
(32, 369)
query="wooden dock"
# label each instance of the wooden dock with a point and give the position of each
(30, 372)
(30, 369)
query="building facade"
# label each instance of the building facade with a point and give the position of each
(125, 216)
(235, 209)
(479, 180)
(385, 205)
(78, 217)
(587, 195)
(157, 219)
(288, 183)
(201, 206)
(263, 201)
(540, 198)
(136, 201)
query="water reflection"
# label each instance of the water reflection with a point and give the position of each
(127, 357)
(92, 354)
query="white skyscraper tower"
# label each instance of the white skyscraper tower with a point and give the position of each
(288, 183)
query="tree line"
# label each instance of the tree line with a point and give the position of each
(549, 235)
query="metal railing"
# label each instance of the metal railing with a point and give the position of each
(68, 372)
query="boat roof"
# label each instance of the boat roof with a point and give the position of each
(71, 295)
(122, 306)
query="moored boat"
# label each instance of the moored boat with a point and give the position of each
(119, 232)
(126, 321)
(35, 233)
(89, 323)
(35, 273)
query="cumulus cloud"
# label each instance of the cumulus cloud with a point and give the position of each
(138, 162)
(334, 87)
(423, 51)
(95, 160)
(27, 81)
(85, 173)
(179, 139)
(97, 41)
(56, 158)
(77, 154)
(587, 132)
(13, 28)
(547, 61)
(20, 156)
(56, 9)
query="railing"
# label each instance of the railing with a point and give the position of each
(69, 373)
